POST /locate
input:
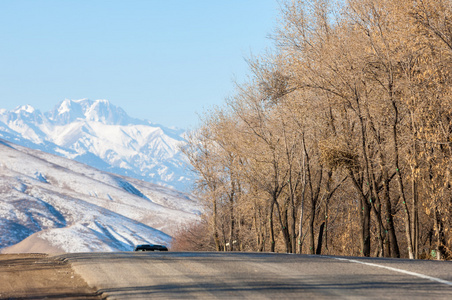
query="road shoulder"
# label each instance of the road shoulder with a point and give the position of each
(37, 276)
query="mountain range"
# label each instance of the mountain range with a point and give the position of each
(103, 136)
(49, 203)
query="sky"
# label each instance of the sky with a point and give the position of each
(166, 61)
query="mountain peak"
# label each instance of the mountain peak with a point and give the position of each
(104, 112)
(25, 108)
(64, 107)
(102, 135)
(100, 110)
(66, 112)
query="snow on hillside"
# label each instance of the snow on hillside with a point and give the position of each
(101, 135)
(77, 208)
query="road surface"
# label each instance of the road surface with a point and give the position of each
(212, 275)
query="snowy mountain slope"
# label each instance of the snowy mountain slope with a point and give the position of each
(101, 135)
(77, 208)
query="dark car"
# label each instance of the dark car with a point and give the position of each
(150, 248)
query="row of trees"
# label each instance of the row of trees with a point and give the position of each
(340, 141)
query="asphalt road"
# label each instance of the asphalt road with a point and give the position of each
(210, 275)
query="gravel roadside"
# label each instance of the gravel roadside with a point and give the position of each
(38, 276)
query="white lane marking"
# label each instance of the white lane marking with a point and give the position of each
(397, 270)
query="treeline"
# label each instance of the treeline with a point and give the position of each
(340, 141)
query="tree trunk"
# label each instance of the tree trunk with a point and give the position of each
(282, 218)
(300, 228)
(258, 227)
(318, 251)
(395, 141)
(232, 224)
(294, 228)
(439, 233)
(311, 228)
(365, 204)
(414, 221)
(392, 238)
(272, 232)
(364, 208)
(215, 230)
(365, 241)
(407, 220)
(302, 194)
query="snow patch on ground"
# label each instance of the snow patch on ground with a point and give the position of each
(76, 208)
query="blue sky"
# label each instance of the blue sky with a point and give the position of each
(161, 60)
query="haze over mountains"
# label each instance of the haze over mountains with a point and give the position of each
(103, 136)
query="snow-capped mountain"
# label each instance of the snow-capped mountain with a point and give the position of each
(71, 207)
(101, 135)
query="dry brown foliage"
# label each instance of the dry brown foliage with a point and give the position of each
(347, 127)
